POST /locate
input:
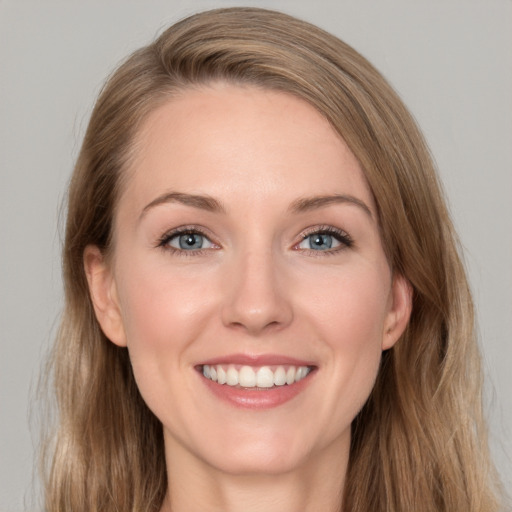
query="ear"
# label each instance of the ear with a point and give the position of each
(399, 313)
(103, 294)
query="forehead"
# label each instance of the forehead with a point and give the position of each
(242, 142)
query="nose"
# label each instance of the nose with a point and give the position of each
(256, 295)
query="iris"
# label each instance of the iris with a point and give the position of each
(320, 241)
(190, 241)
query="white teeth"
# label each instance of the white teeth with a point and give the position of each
(221, 375)
(300, 374)
(232, 376)
(250, 377)
(280, 377)
(265, 377)
(246, 377)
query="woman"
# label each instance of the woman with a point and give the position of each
(265, 306)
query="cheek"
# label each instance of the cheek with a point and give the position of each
(163, 313)
(350, 307)
(157, 299)
(348, 321)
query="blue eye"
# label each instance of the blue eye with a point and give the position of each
(189, 241)
(325, 241)
(319, 242)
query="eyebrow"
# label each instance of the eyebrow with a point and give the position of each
(206, 203)
(311, 203)
(210, 204)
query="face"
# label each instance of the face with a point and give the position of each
(248, 280)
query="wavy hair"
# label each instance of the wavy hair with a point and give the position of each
(419, 443)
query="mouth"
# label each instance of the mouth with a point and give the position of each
(256, 382)
(255, 377)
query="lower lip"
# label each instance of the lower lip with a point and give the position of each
(253, 398)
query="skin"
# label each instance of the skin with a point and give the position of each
(257, 287)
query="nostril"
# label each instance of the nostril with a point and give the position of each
(255, 319)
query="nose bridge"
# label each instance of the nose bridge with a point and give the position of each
(256, 299)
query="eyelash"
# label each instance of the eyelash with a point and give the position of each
(341, 236)
(163, 241)
(345, 240)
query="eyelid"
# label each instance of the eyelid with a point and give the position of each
(163, 241)
(341, 235)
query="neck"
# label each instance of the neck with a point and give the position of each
(194, 486)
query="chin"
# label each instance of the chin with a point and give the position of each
(266, 454)
(262, 463)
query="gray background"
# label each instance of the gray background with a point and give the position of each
(450, 60)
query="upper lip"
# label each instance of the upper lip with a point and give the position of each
(257, 360)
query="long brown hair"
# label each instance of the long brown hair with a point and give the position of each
(420, 443)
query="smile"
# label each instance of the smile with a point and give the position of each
(257, 381)
(263, 377)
